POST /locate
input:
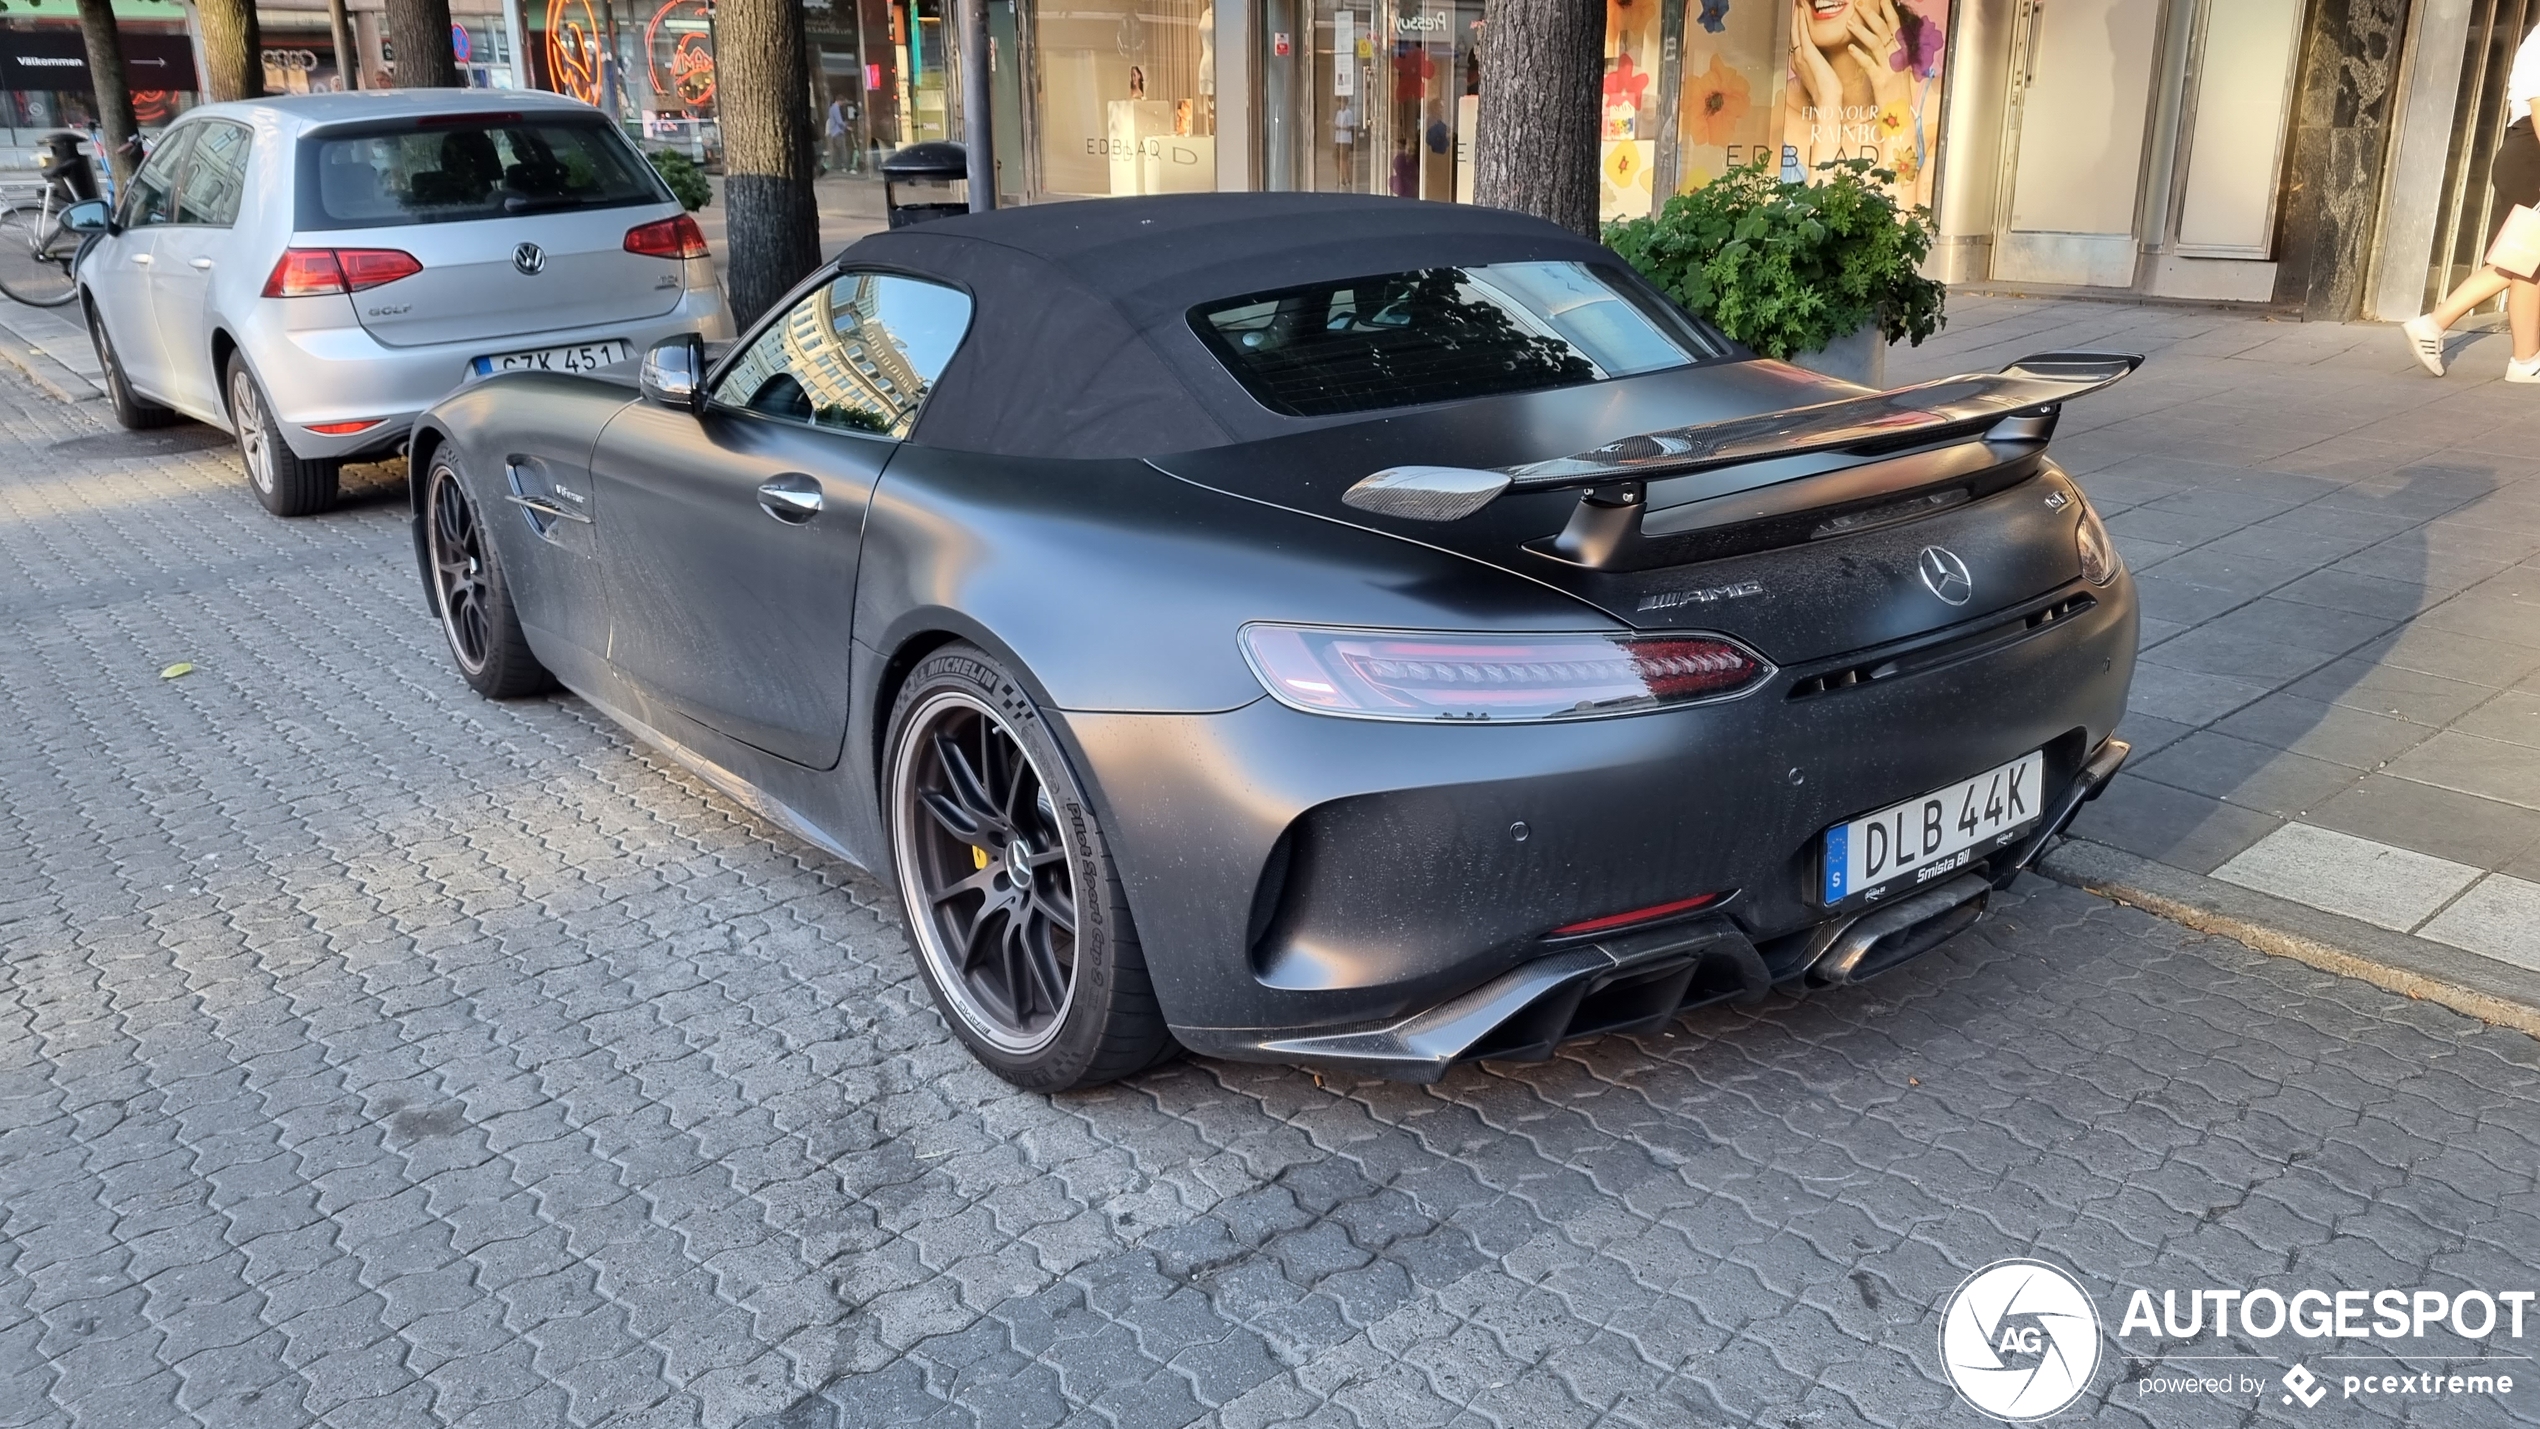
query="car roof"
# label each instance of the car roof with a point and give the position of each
(308, 111)
(1081, 343)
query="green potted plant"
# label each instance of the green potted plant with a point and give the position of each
(687, 183)
(1823, 274)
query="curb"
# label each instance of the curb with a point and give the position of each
(58, 382)
(2491, 991)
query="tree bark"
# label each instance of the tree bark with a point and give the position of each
(420, 29)
(1534, 146)
(233, 49)
(115, 124)
(348, 58)
(771, 225)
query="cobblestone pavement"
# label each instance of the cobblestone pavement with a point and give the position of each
(374, 1055)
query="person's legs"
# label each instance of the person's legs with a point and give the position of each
(2522, 310)
(2425, 334)
(2477, 288)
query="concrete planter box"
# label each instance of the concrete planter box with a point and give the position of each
(1857, 356)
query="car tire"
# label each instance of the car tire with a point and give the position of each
(287, 483)
(472, 595)
(133, 412)
(1021, 924)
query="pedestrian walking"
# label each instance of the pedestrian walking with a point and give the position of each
(837, 132)
(2515, 176)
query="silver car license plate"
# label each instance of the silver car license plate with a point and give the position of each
(1922, 838)
(579, 357)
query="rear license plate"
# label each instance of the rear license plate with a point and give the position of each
(1907, 844)
(580, 357)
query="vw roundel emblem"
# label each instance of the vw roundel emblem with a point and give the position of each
(1944, 575)
(530, 258)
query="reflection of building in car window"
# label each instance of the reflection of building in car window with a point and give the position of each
(833, 362)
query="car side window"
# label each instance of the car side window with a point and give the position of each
(151, 198)
(857, 354)
(216, 176)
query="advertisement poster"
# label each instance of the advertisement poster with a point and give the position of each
(1865, 82)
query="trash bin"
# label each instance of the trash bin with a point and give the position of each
(58, 157)
(926, 181)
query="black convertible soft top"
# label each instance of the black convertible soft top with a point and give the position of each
(1080, 342)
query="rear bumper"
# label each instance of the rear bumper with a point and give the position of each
(1303, 884)
(341, 374)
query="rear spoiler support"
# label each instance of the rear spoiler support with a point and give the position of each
(2017, 405)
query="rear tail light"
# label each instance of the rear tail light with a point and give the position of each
(1373, 674)
(2099, 559)
(310, 272)
(1651, 914)
(344, 429)
(671, 238)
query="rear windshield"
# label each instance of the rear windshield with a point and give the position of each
(492, 166)
(1438, 334)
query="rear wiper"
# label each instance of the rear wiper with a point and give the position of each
(523, 203)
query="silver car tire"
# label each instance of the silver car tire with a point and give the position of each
(285, 482)
(133, 412)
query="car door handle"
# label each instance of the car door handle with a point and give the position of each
(792, 498)
(200, 262)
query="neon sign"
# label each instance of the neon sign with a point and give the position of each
(573, 50)
(685, 69)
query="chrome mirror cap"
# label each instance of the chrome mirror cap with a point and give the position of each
(673, 372)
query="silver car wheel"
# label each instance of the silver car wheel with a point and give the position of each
(985, 868)
(255, 445)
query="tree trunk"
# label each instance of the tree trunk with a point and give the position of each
(115, 124)
(233, 49)
(771, 226)
(420, 29)
(348, 57)
(1534, 146)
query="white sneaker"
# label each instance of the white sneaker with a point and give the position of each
(2425, 341)
(2520, 370)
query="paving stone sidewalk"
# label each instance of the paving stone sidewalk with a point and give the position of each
(2337, 701)
(371, 1054)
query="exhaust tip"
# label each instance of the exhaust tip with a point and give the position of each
(1890, 937)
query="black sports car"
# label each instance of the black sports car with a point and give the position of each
(1312, 628)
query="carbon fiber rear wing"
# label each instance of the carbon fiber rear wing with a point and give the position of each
(1968, 406)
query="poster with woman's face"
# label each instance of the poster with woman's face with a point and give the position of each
(1865, 82)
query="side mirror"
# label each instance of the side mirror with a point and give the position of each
(673, 374)
(89, 216)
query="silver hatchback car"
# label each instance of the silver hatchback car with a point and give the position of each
(312, 271)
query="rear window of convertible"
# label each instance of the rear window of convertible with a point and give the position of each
(1438, 334)
(480, 166)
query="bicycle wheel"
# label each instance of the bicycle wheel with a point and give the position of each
(35, 257)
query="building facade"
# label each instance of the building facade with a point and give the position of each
(2323, 157)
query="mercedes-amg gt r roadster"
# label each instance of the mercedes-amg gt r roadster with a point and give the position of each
(1310, 628)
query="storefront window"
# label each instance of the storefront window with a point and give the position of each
(1128, 96)
(1627, 112)
(1729, 90)
(44, 81)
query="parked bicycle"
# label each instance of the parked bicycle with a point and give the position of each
(36, 247)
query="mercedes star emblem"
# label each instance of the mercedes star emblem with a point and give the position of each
(1945, 575)
(529, 258)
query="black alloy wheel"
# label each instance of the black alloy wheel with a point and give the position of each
(474, 601)
(1021, 926)
(991, 867)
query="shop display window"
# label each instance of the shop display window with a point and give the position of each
(1128, 96)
